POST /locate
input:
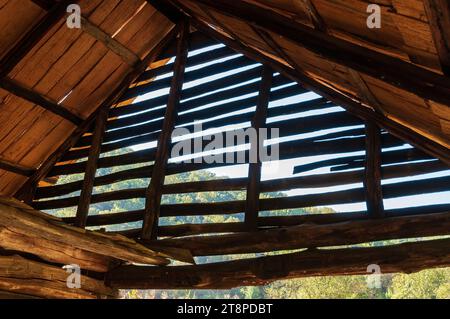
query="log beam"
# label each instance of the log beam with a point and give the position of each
(154, 191)
(408, 257)
(310, 235)
(23, 276)
(27, 230)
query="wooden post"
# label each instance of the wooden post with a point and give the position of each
(91, 169)
(254, 171)
(372, 180)
(154, 191)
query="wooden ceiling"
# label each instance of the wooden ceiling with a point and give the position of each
(73, 70)
(397, 74)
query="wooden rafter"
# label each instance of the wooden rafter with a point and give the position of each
(254, 170)
(19, 90)
(372, 178)
(45, 167)
(407, 257)
(16, 168)
(424, 83)
(91, 169)
(438, 12)
(121, 50)
(154, 191)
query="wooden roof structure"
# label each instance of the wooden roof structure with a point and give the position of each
(68, 99)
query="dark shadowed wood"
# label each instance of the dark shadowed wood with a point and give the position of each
(36, 98)
(372, 178)
(438, 12)
(409, 257)
(254, 170)
(80, 130)
(154, 192)
(91, 169)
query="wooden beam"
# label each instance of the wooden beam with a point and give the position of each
(28, 94)
(118, 48)
(372, 176)
(27, 230)
(438, 12)
(254, 170)
(154, 191)
(20, 275)
(311, 235)
(408, 257)
(24, 45)
(264, 223)
(91, 169)
(16, 168)
(80, 130)
(348, 102)
(415, 79)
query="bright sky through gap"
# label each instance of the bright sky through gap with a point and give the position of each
(284, 169)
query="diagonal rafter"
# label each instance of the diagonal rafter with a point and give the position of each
(154, 191)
